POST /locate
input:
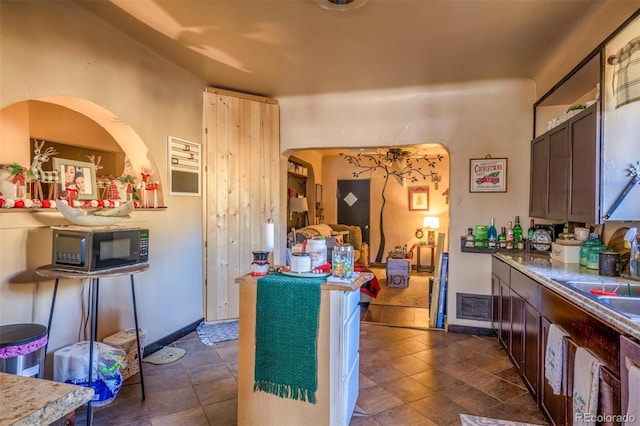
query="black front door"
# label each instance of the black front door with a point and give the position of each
(354, 204)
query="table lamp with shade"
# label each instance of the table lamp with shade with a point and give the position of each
(430, 223)
(299, 205)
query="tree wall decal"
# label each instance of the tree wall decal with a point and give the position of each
(403, 164)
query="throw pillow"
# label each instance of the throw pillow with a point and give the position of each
(342, 237)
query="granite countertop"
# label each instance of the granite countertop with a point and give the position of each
(552, 275)
(28, 401)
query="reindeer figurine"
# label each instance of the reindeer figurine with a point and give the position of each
(103, 182)
(40, 176)
(143, 186)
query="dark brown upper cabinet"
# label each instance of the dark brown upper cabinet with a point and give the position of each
(565, 158)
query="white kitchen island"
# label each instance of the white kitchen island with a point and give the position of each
(337, 361)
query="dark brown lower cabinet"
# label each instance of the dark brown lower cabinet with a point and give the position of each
(609, 396)
(524, 350)
(531, 361)
(524, 315)
(495, 303)
(516, 350)
(505, 315)
(628, 349)
(552, 405)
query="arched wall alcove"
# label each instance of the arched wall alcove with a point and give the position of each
(17, 124)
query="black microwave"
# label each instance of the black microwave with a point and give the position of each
(77, 248)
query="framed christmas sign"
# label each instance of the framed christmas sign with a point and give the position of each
(488, 174)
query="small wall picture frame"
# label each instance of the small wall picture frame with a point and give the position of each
(419, 199)
(79, 175)
(488, 174)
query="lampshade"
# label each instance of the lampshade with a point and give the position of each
(431, 222)
(297, 204)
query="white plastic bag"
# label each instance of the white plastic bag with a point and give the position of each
(71, 365)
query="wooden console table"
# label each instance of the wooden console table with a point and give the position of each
(49, 271)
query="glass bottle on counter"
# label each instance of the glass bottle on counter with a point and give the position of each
(493, 234)
(531, 231)
(509, 236)
(502, 238)
(517, 235)
(469, 239)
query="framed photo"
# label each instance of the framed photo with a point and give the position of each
(488, 174)
(79, 175)
(419, 199)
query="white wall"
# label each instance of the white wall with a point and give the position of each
(59, 49)
(471, 120)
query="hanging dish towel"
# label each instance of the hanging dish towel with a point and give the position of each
(554, 367)
(287, 310)
(633, 409)
(586, 381)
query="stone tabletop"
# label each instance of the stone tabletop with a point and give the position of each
(552, 274)
(28, 401)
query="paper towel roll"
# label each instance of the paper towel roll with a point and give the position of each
(268, 235)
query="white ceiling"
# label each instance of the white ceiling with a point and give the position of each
(282, 48)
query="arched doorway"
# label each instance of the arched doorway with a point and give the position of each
(408, 307)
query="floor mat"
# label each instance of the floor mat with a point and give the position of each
(210, 334)
(165, 355)
(416, 294)
(468, 420)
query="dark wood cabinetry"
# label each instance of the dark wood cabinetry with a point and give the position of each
(584, 188)
(516, 348)
(504, 334)
(550, 174)
(539, 177)
(501, 308)
(526, 309)
(525, 325)
(558, 185)
(552, 405)
(564, 170)
(631, 350)
(531, 342)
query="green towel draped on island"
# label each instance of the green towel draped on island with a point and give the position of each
(287, 311)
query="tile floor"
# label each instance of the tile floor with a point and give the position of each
(407, 377)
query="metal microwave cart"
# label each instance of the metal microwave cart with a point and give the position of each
(49, 271)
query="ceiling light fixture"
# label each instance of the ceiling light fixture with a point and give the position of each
(341, 5)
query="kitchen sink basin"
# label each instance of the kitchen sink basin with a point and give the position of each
(620, 288)
(625, 305)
